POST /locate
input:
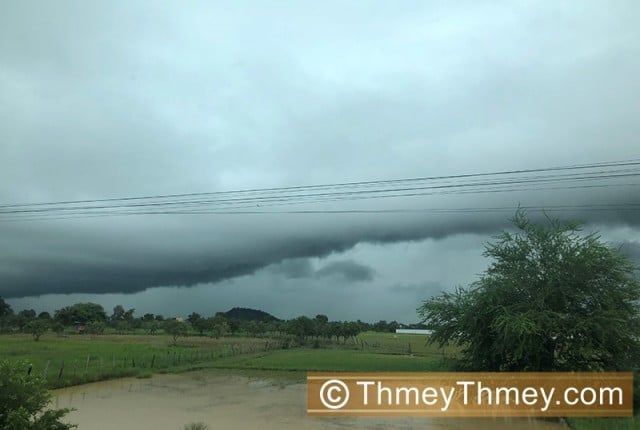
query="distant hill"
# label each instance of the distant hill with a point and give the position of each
(245, 314)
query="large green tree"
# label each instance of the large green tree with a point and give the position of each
(80, 312)
(6, 315)
(552, 298)
(5, 308)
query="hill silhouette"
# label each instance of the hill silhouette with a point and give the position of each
(246, 314)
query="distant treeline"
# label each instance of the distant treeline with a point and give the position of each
(91, 318)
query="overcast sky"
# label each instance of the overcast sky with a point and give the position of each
(117, 99)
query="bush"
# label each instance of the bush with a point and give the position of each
(36, 328)
(24, 401)
(95, 327)
(57, 328)
(176, 329)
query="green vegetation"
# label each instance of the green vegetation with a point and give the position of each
(89, 345)
(91, 318)
(551, 300)
(76, 359)
(339, 360)
(80, 312)
(24, 398)
(36, 328)
(416, 344)
(176, 329)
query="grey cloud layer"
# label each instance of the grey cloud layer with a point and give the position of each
(112, 99)
(347, 270)
(129, 259)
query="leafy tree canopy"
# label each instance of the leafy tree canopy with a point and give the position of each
(37, 328)
(5, 308)
(551, 299)
(176, 329)
(80, 312)
(24, 401)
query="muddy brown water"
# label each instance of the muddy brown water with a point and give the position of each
(230, 402)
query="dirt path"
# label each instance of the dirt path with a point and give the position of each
(229, 402)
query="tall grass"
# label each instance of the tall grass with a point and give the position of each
(65, 361)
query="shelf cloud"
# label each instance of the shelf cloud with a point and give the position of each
(112, 100)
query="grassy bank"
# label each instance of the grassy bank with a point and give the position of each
(304, 360)
(76, 359)
(72, 360)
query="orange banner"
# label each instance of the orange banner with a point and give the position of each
(527, 394)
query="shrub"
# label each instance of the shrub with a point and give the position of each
(36, 328)
(24, 401)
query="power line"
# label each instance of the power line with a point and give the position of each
(303, 198)
(622, 207)
(566, 177)
(632, 162)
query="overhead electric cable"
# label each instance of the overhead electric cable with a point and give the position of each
(564, 177)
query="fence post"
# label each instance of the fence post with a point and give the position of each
(61, 369)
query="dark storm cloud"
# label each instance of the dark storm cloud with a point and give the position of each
(127, 256)
(299, 268)
(294, 268)
(348, 270)
(113, 99)
(130, 258)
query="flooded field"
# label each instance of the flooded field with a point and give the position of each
(229, 401)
